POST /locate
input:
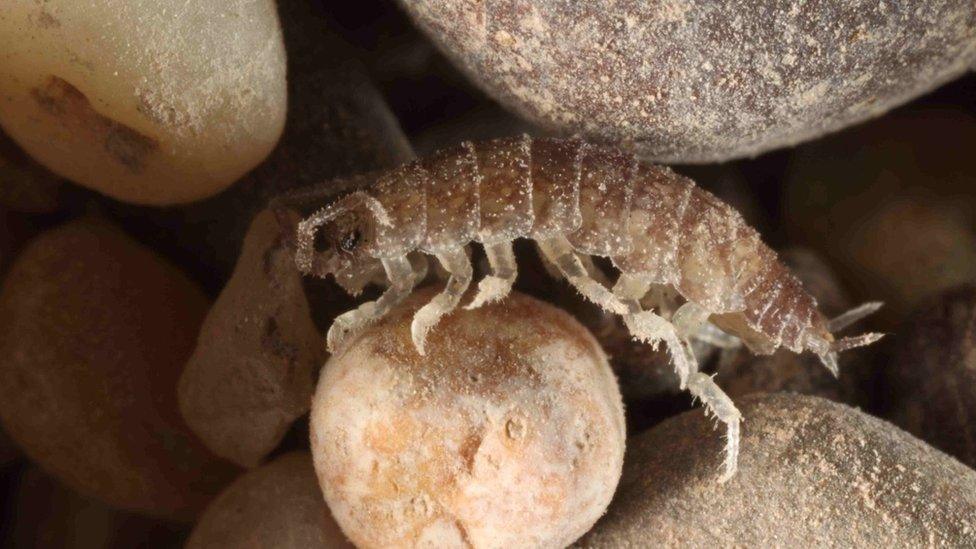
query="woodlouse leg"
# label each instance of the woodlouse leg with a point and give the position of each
(631, 290)
(592, 270)
(459, 266)
(560, 253)
(689, 318)
(402, 277)
(714, 398)
(496, 286)
(651, 328)
(418, 262)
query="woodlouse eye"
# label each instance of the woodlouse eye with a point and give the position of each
(350, 240)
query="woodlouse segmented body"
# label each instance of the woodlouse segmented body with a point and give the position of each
(575, 200)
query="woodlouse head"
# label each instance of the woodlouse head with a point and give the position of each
(337, 237)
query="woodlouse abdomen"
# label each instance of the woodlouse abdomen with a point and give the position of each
(576, 201)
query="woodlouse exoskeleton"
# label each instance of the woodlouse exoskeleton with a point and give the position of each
(576, 200)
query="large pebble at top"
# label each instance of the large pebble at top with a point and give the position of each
(508, 433)
(812, 473)
(149, 101)
(94, 330)
(700, 80)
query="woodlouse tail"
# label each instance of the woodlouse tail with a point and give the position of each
(856, 314)
(848, 343)
(829, 357)
(828, 351)
(829, 360)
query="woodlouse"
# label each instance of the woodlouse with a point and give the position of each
(576, 200)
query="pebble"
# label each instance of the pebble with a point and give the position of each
(94, 331)
(698, 80)
(252, 372)
(812, 473)
(508, 433)
(277, 505)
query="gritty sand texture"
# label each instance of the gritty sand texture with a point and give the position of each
(812, 473)
(700, 80)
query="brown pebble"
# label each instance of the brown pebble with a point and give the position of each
(812, 473)
(931, 384)
(94, 331)
(277, 505)
(698, 80)
(252, 373)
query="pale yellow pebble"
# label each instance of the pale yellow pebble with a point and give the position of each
(147, 101)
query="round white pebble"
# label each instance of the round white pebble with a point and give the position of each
(508, 433)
